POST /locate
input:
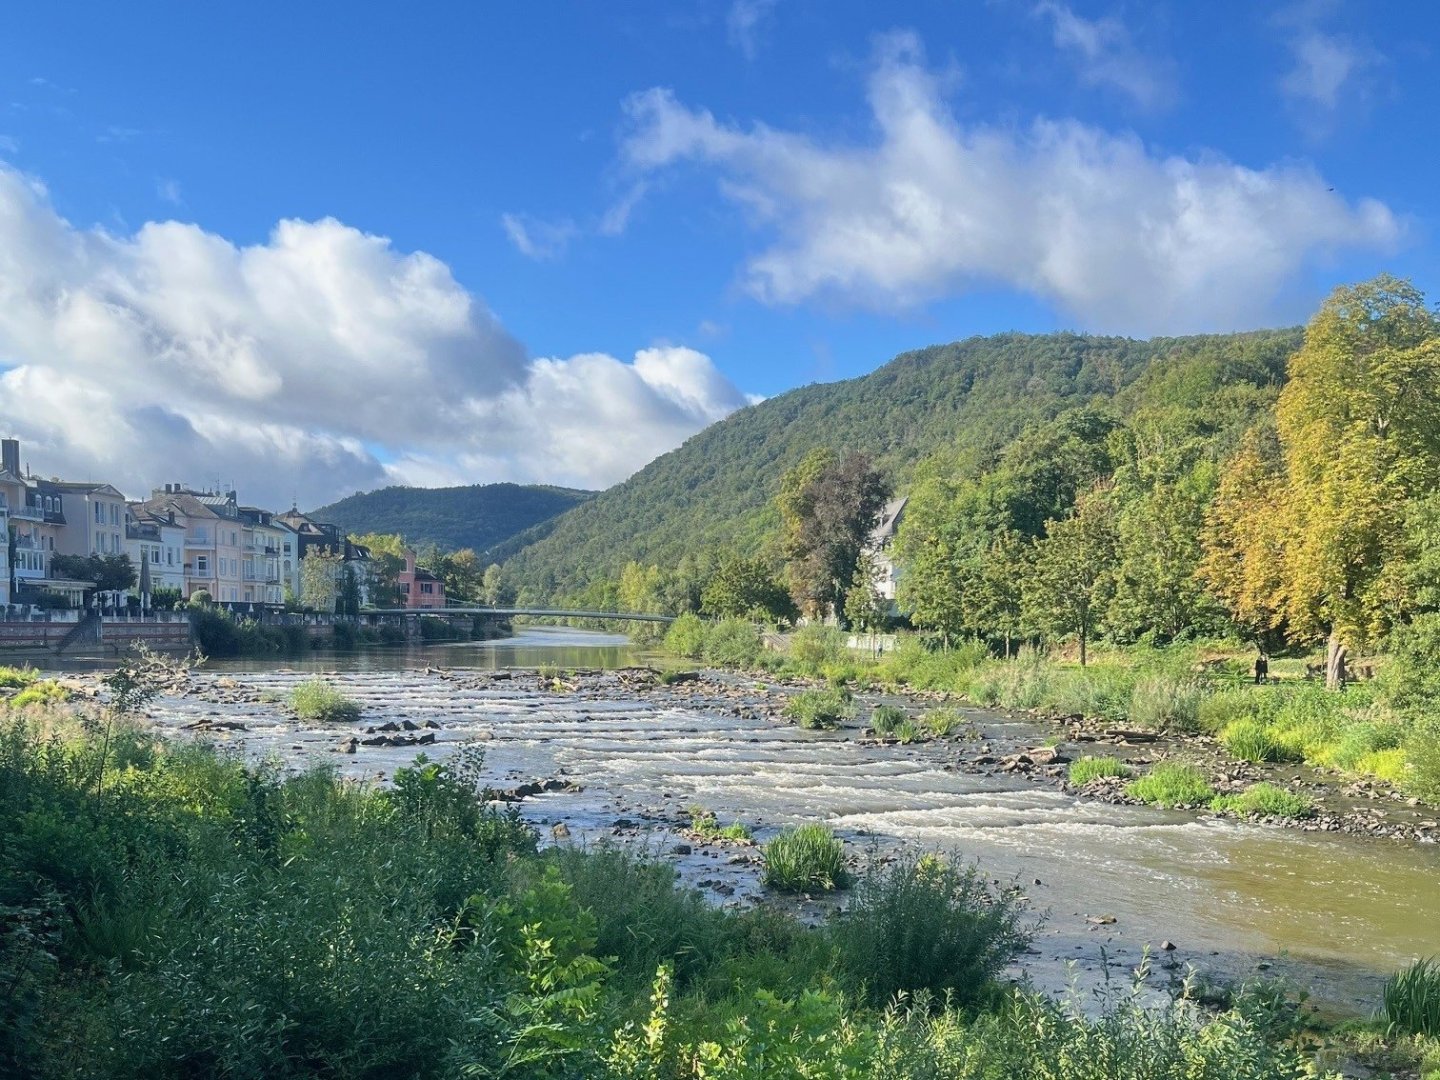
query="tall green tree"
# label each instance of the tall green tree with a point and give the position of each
(1359, 426)
(320, 581)
(828, 506)
(1072, 576)
(746, 588)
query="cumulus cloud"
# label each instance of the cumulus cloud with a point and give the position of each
(1122, 238)
(1105, 56)
(318, 362)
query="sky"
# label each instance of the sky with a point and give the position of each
(311, 249)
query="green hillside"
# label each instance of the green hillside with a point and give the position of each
(478, 516)
(971, 397)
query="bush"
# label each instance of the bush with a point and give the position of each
(1421, 777)
(733, 643)
(925, 924)
(884, 719)
(1086, 769)
(44, 692)
(943, 721)
(1266, 800)
(707, 826)
(817, 709)
(1166, 702)
(910, 732)
(1172, 784)
(13, 677)
(804, 858)
(316, 699)
(1250, 741)
(1410, 1002)
(814, 646)
(686, 637)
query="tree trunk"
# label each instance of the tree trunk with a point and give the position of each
(1083, 656)
(1335, 655)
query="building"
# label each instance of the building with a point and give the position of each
(881, 544)
(94, 519)
(418, 587)
(156, 540)
(312, 537)
(264, 569)
(35, 513)
(202, 549)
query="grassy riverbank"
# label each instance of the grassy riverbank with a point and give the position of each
(1387, 728)
(167, 911)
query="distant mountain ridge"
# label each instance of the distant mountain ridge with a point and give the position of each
(970, 397)
(478, 516)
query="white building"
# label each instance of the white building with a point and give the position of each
(156, 539)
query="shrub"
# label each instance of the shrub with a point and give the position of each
(707, 826)
(1086, 769)
(13, 677)
(1167, 702)
(1267, 800)
(686, 637)
(805, 857)
(943, 721)
(44, 692)
(884, 719)
(733, 643)
(1251, 741)
(910, 732)
(1171, 783)
(817, 709)
(1421, 777)
(814, 646)
(316, 699)
(926, 924)
(1410, 1002)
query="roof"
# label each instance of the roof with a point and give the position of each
(188, 505)
(889, 521)
(81, 488)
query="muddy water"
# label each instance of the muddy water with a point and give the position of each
(1333, 913)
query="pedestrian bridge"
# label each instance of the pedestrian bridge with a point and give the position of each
(552, 613)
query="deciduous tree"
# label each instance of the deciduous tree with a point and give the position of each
(1073, 573)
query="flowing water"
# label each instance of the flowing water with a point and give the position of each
(1333, 913)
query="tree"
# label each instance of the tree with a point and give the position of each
(1073, 575)
(347, 601)
(320, 581)
(828, 508)
(494, 590)
(745, 588)
(1359, 426)
(993, 605)
(459, 571)
(107, 573)
(865, 609)
(387, 563)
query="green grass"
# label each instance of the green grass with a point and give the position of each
(805, 858)
(1250, 740)
(1410, 1002)
(316, 699)
(943, 721)
(43, 692)
(820, 709)
(925, 924)
(1172, 784)
(13, 677)
(1265, 799)
(885, 719)
(707, 826)
(1085, 769)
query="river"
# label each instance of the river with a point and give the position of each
(1331, 913)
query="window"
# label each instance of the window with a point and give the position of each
(405, 588)
(427, 586)
(114, 513)
(202, 564)
(99, 513)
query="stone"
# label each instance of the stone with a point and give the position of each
(560, 831)
(681, 849)
(1167, 946)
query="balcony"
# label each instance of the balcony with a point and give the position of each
(198, 542)
(27, 513)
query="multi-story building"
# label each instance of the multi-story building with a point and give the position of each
(201, 546)
(155, 541)
(418, 587)
(318, 536)
(264, 565)
(35, 513)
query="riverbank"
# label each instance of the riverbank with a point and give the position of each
(632, 754)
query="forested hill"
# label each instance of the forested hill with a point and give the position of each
(479, 516)
(974, 396)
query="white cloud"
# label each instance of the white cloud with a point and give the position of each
(1105, 56)
(168, 191)
(1330, 72)
(538, 240)
(318, 362)
(744, 23)
(1120, 237)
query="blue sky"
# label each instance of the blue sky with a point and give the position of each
(796, 190)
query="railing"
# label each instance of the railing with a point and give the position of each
(27, 513)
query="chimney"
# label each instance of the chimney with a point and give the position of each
(10, 456)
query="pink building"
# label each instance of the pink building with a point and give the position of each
(419, 588)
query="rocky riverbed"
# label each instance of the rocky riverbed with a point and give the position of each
(1332, 902)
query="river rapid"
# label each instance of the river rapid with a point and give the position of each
(1331, 913)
